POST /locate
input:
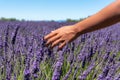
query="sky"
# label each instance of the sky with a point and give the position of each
(50, 9)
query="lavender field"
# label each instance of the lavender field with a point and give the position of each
(24, 56)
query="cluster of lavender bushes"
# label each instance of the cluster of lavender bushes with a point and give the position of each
(24, 56)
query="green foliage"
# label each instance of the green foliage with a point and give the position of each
(8, 19)
(75, 20)
(71, 20)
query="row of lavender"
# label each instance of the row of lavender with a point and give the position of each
(23, 55)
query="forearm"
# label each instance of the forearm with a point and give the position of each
(104, 18)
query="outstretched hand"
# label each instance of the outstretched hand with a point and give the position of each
(61, 36)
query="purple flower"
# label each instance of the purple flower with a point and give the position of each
(15, 35)
(83, 76)
(35, 67)
(27, 74)
(58, 67)
(104, 73)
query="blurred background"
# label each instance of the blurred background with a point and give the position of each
(50, 9)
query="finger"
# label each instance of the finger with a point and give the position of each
(55, 43)
(53, 33)
(62, 45)
(52, 39)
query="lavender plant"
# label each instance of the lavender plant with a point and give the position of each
(24, 56)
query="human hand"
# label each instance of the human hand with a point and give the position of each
(61, 36)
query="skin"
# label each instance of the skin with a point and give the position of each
(104, 18)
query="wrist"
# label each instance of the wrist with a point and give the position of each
(77, 28)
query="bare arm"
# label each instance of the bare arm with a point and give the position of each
(104, 18)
